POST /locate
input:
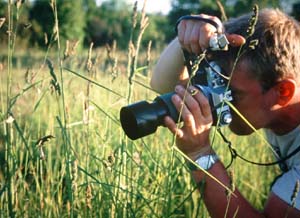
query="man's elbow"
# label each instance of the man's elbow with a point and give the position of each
(154, 83)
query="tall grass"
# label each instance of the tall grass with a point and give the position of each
(64, 154)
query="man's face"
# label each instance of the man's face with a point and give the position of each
(250, 100)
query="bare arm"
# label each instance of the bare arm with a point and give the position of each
(169, 69)
(219, 203)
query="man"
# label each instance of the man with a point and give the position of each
(265, 86)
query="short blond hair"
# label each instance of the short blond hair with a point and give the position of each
(277, 54)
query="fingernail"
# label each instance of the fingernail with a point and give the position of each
(176, 98)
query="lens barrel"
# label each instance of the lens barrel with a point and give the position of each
(142, 118)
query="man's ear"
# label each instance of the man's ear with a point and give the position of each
(285, 90)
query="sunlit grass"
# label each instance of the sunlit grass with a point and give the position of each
(71, 158)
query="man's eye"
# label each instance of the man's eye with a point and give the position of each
(234, 95)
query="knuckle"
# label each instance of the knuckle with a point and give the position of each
(206, 28)
(188, 119)
(196, 50)
(203, 100)
(181, 39)
(194, 106)
(186, 42)
(194, 39)
(214, 18)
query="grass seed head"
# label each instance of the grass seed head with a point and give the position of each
(295, 193)
(88, 196)
(252, 21)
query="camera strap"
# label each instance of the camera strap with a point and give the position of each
(191, 17)
(234, 154)
(189, 61)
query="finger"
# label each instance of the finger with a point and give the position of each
(187, 36)
(172, 126)
(191, 111)
(235, 40)
(207, 31)
(204, 104)
(181, 31)
(184, 112)
(194, 39)
(199, 107)
(219, 28)
(193, 104)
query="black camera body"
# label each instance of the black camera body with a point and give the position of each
(142, 118)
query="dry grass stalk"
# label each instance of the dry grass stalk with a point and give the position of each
(222, 10)
(46, 39)
(252, 21)
(2, 21)
(88, 197)
(74, 174)
(112, 59)
(134, 15)
(19, 3)
(70, 49)
(149, 54)
(66, 52)
(293, 198)
(231, 184)
(89, 63)
(295, 193)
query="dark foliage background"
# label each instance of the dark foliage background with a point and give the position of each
(86, 21)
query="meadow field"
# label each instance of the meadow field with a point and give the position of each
(63, 152)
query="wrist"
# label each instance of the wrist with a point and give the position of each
(203, 162)
(203, 159)
(200, 152)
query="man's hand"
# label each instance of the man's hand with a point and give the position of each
(194, 35)
(193, 106)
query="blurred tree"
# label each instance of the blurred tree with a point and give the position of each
(241, 6)
(71, 20)
(111, 21)
(232, 8)
(19, 20)
(115, 5)
(90, 8)
(42, 20)
(88, 22)
(157, 30)
(3, 24)
(3, 7)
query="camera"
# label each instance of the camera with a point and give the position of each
(142, 118)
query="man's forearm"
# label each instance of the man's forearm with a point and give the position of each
(217, 200)
(170, 69)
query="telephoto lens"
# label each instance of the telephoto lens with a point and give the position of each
(142, 118)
